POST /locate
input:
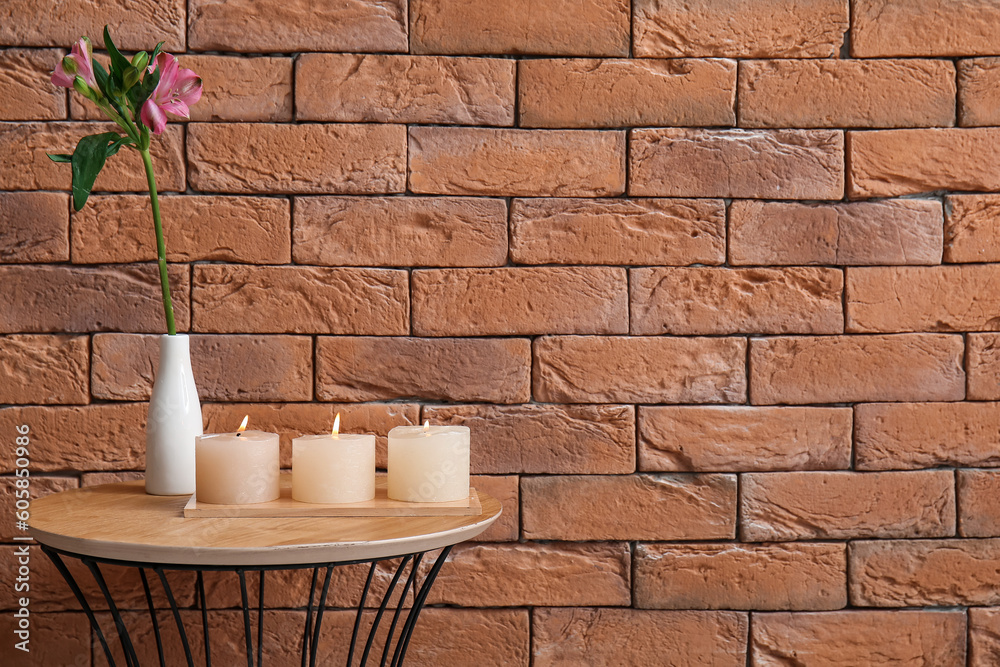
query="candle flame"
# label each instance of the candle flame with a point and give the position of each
(336, 425)
(243, 424)
(427, 425)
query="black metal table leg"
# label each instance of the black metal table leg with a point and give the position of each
(394, 646)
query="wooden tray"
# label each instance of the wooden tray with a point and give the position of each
(379, 506)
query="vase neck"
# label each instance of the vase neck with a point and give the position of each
(174, 349)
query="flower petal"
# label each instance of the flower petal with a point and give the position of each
(168, 71)
(61, 78)
(85, 68)
(177, 108)
(152, 117)
(188, 86)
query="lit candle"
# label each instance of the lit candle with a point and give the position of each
(429, 464)
(237, 468)
(334, 468)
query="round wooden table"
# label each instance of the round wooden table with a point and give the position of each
(119, 524)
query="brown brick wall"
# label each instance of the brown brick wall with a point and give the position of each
(712, 281)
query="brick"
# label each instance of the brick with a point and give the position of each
(692, 301)
(742, 438)
(271, 159)
(847, 93)
(978, 506)
(79, 438)
(587, 369)
(923, 28)
(977, 97)
(544, 27)
(249, 230)
(620, 93)
(972, 228)
(26, 166)
(618, 231)
(925, 573)
(226, 368)
(982, 365)
(757, 164)
(290, 420)
(229, 298)
(924, 298)
(266, 26)
(38, 486)
(552, 574)
(449, 369)
(554, 439)
(847, 369)
(52, 298)
(505, 489)
(98, 478)
(44, 369)
(34, 227)
(707, 28)
(22, 95)
(242, 89)
(926, 435)
(781, 506)
(905, 231)
(505, 163)
(494, 637)
(887, 163)
(984, 637)
(629, 507)
(520, 301)
(404, 89)
(603, 636)
(400, 231)
(55, 639)
(740, 576)
(137, 25)
(856, 637)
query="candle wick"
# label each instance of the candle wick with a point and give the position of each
(238, 434)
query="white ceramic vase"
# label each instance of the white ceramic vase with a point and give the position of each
(173, 421)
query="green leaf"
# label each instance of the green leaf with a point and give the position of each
(88, 160)
(60, 157)
(101, 75)
(118, 62)
(156, 52)
(115, 145)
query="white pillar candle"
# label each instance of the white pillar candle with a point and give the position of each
(237, 468)
(429, 464)
(334, 468)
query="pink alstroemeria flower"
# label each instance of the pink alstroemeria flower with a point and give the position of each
(177, 89)
(81, 55)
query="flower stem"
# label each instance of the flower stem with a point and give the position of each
(161, 250)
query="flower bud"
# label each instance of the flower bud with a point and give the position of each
(90, 47)
(131, 77)
(69, 65)
(80, 86)
(140, 60)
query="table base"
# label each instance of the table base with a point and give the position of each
(393, 651)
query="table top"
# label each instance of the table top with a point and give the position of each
(121, 522)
